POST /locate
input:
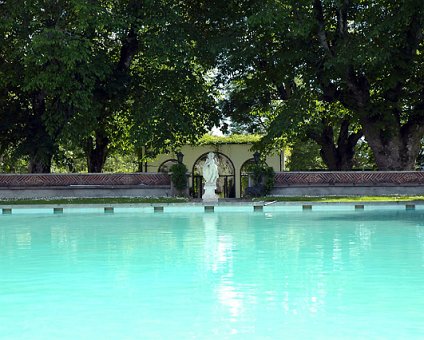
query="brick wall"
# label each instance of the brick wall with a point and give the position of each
(350, 178)
(64, 180)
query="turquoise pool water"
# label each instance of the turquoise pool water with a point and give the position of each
(276, 275)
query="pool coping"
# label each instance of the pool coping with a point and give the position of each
(219, 203)
(204, 207)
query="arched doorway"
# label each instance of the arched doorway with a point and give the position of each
(226, 183)
(245, 171)
(244, 175)
(165, 166)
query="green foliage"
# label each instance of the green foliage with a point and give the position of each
(228, 139)
(263, 177)
(287, 109)
(269, 179)
(364, 158)
(9, 163)
(69, 159)
(109, 76)
(305, 156)
(121, 162)
(100, 76)
(179, 176)
(291, 64)
(172, 99)
(341, 199)
(420, 159)
(50, 64)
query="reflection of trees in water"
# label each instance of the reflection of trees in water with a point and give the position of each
(364, 234)
(12, 243)
(296, 260)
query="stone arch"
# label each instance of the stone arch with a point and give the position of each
(164, 167)
(226, 183)
(244, 175)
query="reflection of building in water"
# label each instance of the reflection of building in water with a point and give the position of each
(364, 233)
(23, 238)
(231, 297)
(420, 236)
(218, 248)
(219, 259)
(211, 241)
(11, 243)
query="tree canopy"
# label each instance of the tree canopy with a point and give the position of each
(94, 74)
(281, 57)
(104, 75)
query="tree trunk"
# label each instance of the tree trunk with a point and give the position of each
(395, 147)
(377, 99)
(110, 93)
(41, 151)
(328, 150)
(39, 166)
(337, 157)
(40, 144)
(395, 144)
(140, 162)
(97, 152)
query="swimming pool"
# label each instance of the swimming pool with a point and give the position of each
(281, 273)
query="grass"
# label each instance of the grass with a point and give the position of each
(113, 200)
(335, 199)
(132, 200)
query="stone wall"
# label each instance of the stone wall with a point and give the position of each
(84, 185)
(159, 185)
(349, 183)
(31, 180)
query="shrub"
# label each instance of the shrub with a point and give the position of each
(263, 180)
(179, 176)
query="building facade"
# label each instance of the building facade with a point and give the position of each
(233, 163)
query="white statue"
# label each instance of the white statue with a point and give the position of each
(210, 174)
(210, 169)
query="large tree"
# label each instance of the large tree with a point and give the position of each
(157, 87)
(172, 100)
(87, 73)
(366, 56)
(286, 120)
(372, 63)
(49, 69)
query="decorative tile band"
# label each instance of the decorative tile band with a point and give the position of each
(282, 179)
(349, 178)
(52, 180)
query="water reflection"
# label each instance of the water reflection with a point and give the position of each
(364, 233)
(231, 297)
(420, 237)
(211, 242)
(218, 246)
(225, 274)
(23, 238)
(219, 258)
